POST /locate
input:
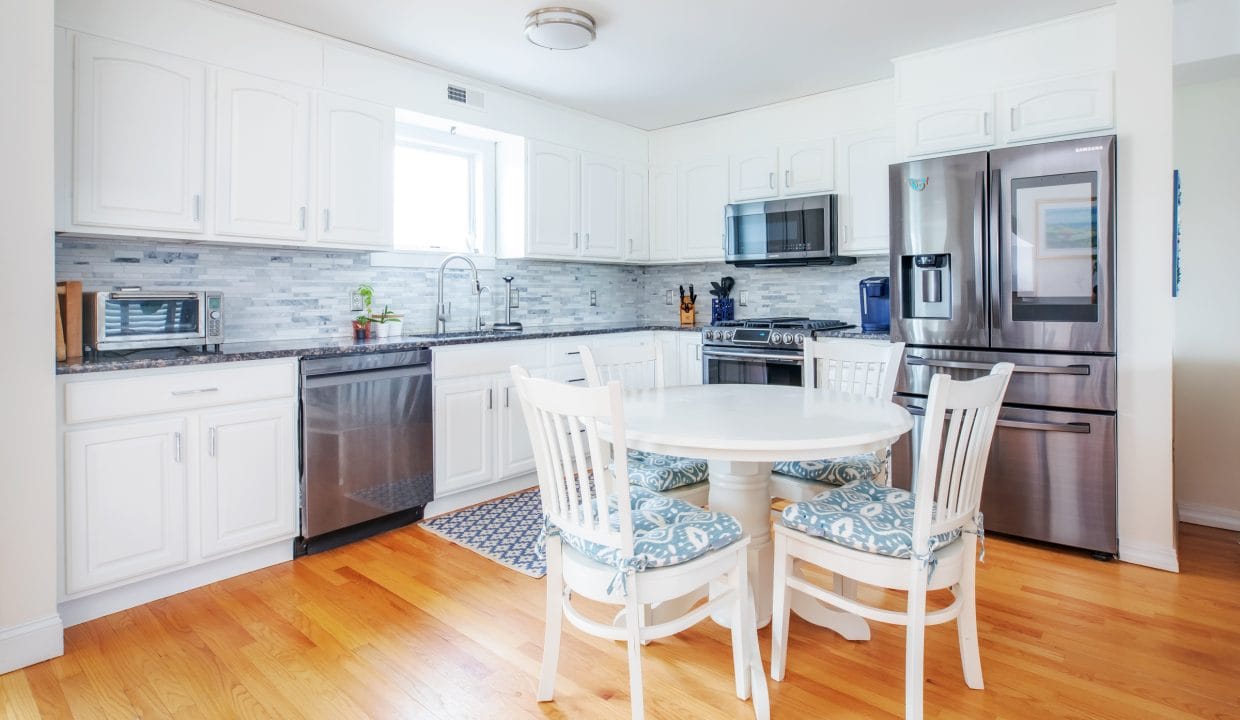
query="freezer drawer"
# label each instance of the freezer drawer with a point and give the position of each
(1078, 382)
(1050, 477)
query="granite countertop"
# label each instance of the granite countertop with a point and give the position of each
(318, 347)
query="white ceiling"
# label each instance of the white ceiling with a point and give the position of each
(664, 62)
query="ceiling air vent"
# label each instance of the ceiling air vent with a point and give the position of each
(465, 96)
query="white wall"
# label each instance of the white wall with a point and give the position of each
(1147, 523)
(1207, 333)
(30, 630)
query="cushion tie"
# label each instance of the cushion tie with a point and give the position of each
(927, 560)
(548, 529)
(980, 532)
(628, 566)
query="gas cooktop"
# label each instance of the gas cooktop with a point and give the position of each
(788, 333)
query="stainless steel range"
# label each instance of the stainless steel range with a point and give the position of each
(760, 351)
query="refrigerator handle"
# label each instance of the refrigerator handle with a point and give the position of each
(994, 280)
(980, 222)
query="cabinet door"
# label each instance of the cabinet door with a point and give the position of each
(262, 158)
(464, 434)
(703, 195)
(248, 479)
(807, 167)
(943, 127)
(553, 192)
(754, 175)
(690, 359)
(664, 213)
(356, 141)
(125, 502)
(636, 197)
(864, 160)
(514, 451)
(602, 207)
(139, 147)
(669, 346)
(1059, 107)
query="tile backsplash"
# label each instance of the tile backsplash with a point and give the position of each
(281, 293)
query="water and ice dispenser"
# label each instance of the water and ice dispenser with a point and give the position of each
(927, 285)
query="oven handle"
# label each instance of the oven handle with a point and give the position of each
(1071, 427)
(789, 359)
(1031, 369)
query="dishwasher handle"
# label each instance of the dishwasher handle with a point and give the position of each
(360, 376)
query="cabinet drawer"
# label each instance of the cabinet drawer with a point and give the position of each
(102, 399)
(488, 358)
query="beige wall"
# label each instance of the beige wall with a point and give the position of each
(30, 629)
(1207, 313)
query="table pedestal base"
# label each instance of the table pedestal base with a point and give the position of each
(743, 490)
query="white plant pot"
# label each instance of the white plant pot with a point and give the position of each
(382, 330)
(394, 328)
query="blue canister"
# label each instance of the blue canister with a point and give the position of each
(875, 304)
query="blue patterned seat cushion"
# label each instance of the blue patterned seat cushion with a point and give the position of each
(836, 471)
(862, 516)
(666, 531)
(660, 473)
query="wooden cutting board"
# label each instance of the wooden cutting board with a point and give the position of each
(68, 319)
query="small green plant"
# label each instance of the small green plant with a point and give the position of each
(362, 320)
(367, 294)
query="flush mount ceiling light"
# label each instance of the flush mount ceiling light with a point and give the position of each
(560, 28)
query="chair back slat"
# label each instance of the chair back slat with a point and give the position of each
(573, 460)
(633, 366)
(955, 446)
(856, 367)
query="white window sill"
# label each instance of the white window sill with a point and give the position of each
(425, 259)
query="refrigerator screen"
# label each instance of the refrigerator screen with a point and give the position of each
(1054, 248)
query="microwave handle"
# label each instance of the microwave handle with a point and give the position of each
(151, 295)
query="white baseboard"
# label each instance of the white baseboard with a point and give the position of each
(88, 607)
(31, 642)
(456, 501)
(1159, 557)
(1209, 515)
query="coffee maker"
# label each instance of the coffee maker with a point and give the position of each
(875, 304)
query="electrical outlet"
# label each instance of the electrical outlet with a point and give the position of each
(516, 299)
(355, 302)
(670, 297)
(744, 298)
(593, 298)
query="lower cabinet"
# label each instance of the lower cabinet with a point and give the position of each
(480, 433)
(690, 358)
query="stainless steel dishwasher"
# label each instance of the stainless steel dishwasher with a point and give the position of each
(366, 445)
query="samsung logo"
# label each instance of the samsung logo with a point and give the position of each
(1089, 148)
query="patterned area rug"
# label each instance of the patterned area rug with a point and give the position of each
(504, 530)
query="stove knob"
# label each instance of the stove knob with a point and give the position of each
(787, 338)
(800, 338)
(727, 335)
(775, 339)
(710, 334)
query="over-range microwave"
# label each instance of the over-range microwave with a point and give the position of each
(794, 231)
(134, 319)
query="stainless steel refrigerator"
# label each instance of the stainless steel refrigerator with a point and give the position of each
(1009, 255)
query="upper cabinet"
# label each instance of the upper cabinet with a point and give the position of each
(664, 213)
(139, 146)
(703, 195)
(1058, 107)
(636, 215)
(602, 207)
(950, 126)
(355, 145)
(863, 208)
(553, 196)
(262, 148)
(792, 169)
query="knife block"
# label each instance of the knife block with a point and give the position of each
(688, 317)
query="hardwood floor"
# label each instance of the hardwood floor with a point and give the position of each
(408, 625)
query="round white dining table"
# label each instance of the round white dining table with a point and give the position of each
(741, 430)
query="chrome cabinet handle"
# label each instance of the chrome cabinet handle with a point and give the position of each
(1012, 119)
(986, 123)
(327, 219)
(197, 207)
(917, 360)
(587, 246)
(575, 380)
(787, 178)
(302, 218)
(574, 241)
(211, 442)
(630, 246)
(771, 179)
(195, 391)
(506, 397)
(177, 446)
(490, 399)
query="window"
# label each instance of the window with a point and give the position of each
(444, 188)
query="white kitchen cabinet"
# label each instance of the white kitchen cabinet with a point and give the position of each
(949, 126)
(464, 433)
(602, 207)
(248, 463)
(514, 451)
(636, 200)
(754, 175)
(690, 358)
(1063, 106)
(664, 213)
(139, 144)
(262, 158)
(356, 141)
(703, 195)
(125, 501)
(807, 167)
(864, 190)
(669, 345)
(552, 197)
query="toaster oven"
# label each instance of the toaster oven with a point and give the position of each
(134, 319)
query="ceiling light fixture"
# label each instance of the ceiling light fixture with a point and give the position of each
(560, 28)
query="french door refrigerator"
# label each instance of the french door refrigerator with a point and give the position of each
(1009, 255)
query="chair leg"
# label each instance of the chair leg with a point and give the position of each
(781, 608)
(647, 619)
(633, 622)
(915, 645)
(966, 623)
(555, 620)
(740, 660)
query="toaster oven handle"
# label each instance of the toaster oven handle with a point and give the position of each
(151, 295)
(1031, 369)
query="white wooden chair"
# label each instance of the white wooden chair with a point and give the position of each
(614, 543)
(641, 366)
(851, 366)
(912, 541)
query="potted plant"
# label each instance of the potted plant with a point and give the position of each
(361, 327)
(389, 323)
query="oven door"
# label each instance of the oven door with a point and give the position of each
(132, 320)
(750, 367)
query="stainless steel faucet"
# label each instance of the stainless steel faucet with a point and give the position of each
(441, 310)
